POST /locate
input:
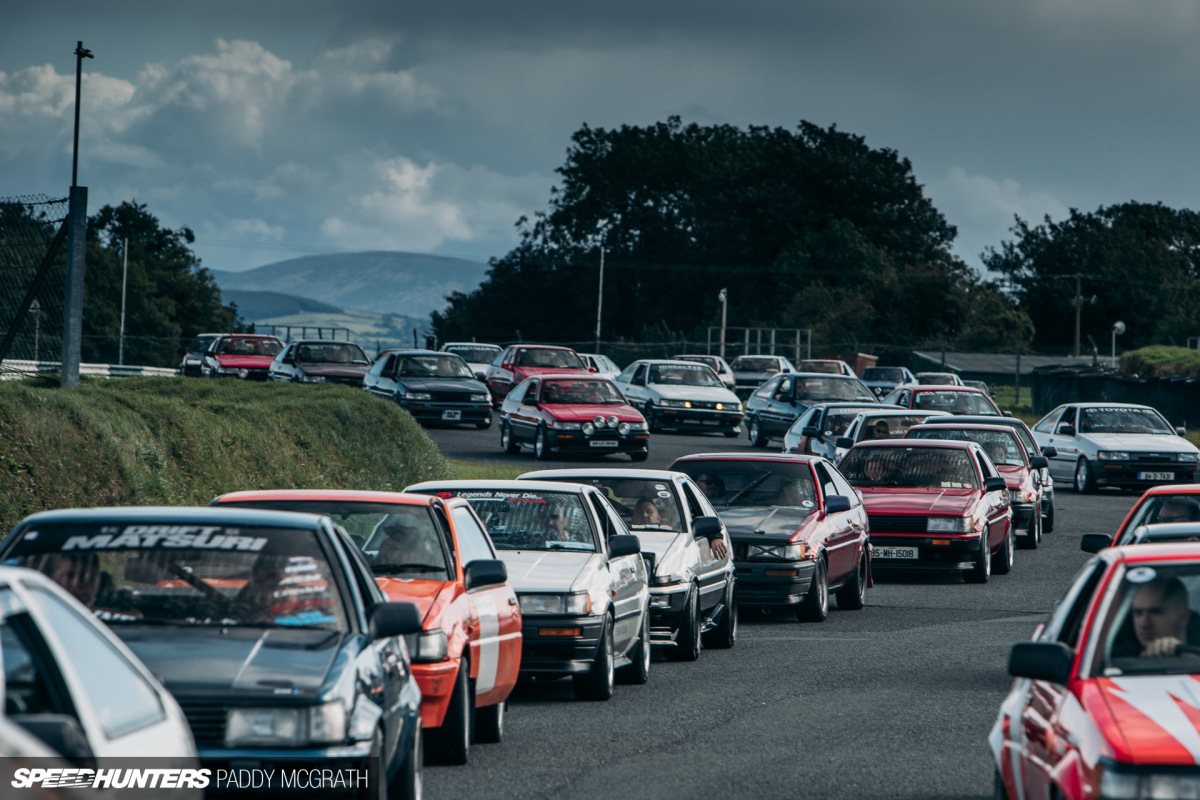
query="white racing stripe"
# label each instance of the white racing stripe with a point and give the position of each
(1158, 698)
(489, 644)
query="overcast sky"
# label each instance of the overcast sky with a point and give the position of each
(277, 128)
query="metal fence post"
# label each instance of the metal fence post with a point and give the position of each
(72, 343)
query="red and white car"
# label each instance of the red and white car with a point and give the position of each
(1160, 505)
(1106, 701)
(521, 361)
(240, 355)
(555, 413)
(436, 553)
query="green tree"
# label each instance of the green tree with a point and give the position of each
(1139, 261)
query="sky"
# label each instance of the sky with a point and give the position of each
(281, 128)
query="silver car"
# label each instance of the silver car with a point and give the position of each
(1115, 444)
(578, 574)
(718, 364)
(681, 395)
(750, 372)
(477, 355)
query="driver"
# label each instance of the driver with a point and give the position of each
(1176, 509)
(875, 469)
(401, 545)
(78, 573)
(1160, 617)
(646, 513)
(262, 590)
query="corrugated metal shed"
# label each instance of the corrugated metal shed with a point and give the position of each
(997, 364)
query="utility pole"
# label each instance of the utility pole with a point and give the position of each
(72, 341)
(600, 299)
(723, 297)
(124, 281)
(1078, 308)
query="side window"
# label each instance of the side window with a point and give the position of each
(986, 470)
(639, 375)
(767, 389)
(367, 588)
(1068, 418)
(499, 359)
(123, 700)
(443, 524)
(518, 394)
(842, 485)
(389, 366)
(1047, 424)
(32, 684)
(828, 488)
(531, 394)
(692, 499)
(784, 389)
(473, 543)
(606, 524)
(1066, 619)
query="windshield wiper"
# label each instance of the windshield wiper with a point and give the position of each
(752, 485)
(568, 546)
(406, 568)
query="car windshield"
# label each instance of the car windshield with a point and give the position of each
(837, 421)
(1152, 605)
(339, 353)
(474, 355)
(683, 375)
(886, 426)
(398, 540)
(200, 344)
(581, 392)
(818, 390)
(540, 357)
(1002, 447)
(915, 467)
(189, 575)
(250, 347)
(1149, 534)
(732, 484)
(955, 402)
(531, 520)
(646, 504)
(1162, 508)
(709, 361)
(1123, 420)
(449, 367)
(744, 364)
(937, 378)
(883, 374)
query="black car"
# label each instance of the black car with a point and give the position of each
(266, 626)
(776, 404)
(193, 354)
(433, 387)
(320, 361)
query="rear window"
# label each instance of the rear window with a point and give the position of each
(916, 467)
(531, 520)
(733, 484)
(955, 402)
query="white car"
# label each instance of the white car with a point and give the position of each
(477, 355)
(601, 365)
(70, 682)
(681, 395)
(1115, 444)
(718, 364)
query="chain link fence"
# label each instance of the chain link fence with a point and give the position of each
(33, 267)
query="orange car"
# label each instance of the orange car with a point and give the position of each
(436, 553)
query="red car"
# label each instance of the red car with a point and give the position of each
(436, 553)
(954, 399)
(520, 361)
(1106, 701)
(1159, 505)
(555, 413)
(240, 355)
(933, 505)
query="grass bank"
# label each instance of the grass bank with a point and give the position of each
(147, 441)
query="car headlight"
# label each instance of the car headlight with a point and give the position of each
(1022, 495)
(481, 398)
(579, 603)
(1112, 455)
(564, 426)
(418, 396)
(589, 428)
(789, 552)
(637, 426)
(666, 403)
(1132, 785)
(306, 378)
(286, 727)
(623, 429)
(949, 524)
(428, 645)
(1187, 457)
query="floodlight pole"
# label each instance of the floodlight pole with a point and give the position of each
(124, 281)
(80, 54)
(600, 299)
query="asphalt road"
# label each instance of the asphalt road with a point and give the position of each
(895, 700)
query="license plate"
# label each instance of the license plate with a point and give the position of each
(895, 552)
(604, 444)
(710, 422)
(1156, 476)
(452, 414)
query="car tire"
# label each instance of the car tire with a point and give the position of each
(815, 605)
(451, 743)
(687, 640)
(732, 434)
(1002, 561)
(638, 671)
(541, 448)
(507, 443)
(408, 782)
(982, 571)
(483, 425)
(724, 636)
(852, 595)
(639, 455)
(1085, 479)
(754, 431)
(651, 419)
(489, 723)
(597, 683)
(998, 790)
(1048, 520)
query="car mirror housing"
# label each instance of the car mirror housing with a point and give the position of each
(624, 544)
(1095, 542)
(1181, 431)
(1066, 430)
(844, 442)
(1050, 452)
(706, 527)
(1041, 661)
(484, 572)
(811, 432)
(385, 620)
(1039, 462)
(995, 484)
(836, 503)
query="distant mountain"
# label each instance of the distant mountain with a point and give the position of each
(254, 306)
(406, 284)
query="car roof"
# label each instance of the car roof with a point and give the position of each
(846, 404)
(542, 347)
(514, 485)
(1108, 405)
(946, 387)
(569, 376)
(349, 495)
(950, 443)
(601, 472)
(1173, 488)
(417, 352)
(179, 515)
(488, 345)
(896, 411)
(1169, 528)
(966, 426)
(787, 458)
(1155, 551)
(324, 341)
(802, 374)
(946, 418)
(661, 361)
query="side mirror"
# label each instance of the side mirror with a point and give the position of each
(624, 544)
(507, 367)
(1050, 452)
(1006, 413)
(836, 504)
(706, 527)
(1066, 430)
(591, 369)
(393, 619)
(1095, 542)
(62, 733)
(1181, 431)
(844, 442)
(811, 432)
(484, 572)
(995, 484)
(1041, 661)
(1039, 462)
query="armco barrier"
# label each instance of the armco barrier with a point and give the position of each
(15, 369)
(1178, 399)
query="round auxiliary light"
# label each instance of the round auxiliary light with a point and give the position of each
(243, 373)
(599, 422)
(588, 429)
(623, 429)
(612, 422)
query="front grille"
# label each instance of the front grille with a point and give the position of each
(451, 397)
(207, 721)
(349, 381)
(887, 523)
(741, 550)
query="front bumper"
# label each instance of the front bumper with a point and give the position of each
(602, 441)
(951, 551)
(698, 419)
(437, 686)
(1138, 474)
(450, 413)
(773, 583)
(559, 655)
(245, 373)
(1022, 515)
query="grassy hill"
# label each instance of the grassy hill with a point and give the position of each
(148, 441)
(254, 306)
(407, 284)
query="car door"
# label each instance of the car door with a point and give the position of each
(842, 534)
(523, 415)
(627, 576)
(495, 616)
(795, 437)
(499, 378)
(380, 379)
(711, 572)
(1063, 463)
(281, 368)
(780, 409)
(636, 391)
(995, 503)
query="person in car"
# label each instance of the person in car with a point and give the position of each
(78, 573)
(712, 486)
(1160, 617)
(403, 544)
(1177, 510)
(646, 513)
(875, 470)
(260, 594)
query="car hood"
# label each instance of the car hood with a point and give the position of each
(524, 372)
(335, 370)
(904, 500)
(1013, 475)
(1148, 719)
(244, 659)
(708, 394)
(658, 542)
(465, 385)
(586, 413)
(425, 594)
(243, 362)
(1152, 442)
(753, 522)
(548, 571)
